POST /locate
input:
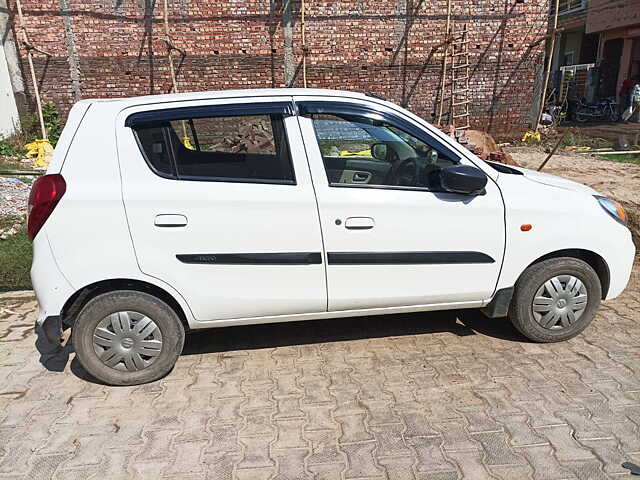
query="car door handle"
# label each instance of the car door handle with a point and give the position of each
(361, 177)
(167, 220)
(359, 223)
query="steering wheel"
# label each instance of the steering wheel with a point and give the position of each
(404, 173)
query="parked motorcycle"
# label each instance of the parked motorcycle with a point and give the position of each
(603, 110)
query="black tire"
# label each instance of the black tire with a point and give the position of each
(98, 308)
(581, 116)
(521, 307)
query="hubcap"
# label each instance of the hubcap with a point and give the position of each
(559, 302)
(127, 341)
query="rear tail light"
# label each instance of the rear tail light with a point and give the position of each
(46, 192)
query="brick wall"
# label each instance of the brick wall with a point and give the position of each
(392, 47)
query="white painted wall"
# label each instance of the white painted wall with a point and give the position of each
(9, 120)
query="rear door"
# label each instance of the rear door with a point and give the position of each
(220, 205)
(393, 237)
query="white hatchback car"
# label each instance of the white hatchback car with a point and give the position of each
(161, 214)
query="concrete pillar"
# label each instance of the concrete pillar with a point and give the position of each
(288, 22)
(9, 120)
(12, 80)
(70, 40)
(625, 62)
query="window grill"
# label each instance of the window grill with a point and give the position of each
(570, 5)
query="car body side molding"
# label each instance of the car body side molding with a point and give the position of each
(405, 258)
(280, 258)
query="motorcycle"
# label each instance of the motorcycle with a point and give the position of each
(604, 110)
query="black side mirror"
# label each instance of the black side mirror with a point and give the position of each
(379, 151)
(463, 179)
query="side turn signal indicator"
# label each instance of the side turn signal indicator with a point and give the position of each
(526, 227)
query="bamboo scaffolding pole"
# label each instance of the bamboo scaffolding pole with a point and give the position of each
(445, 54)
(29, 47)
(170, 48)
(545, 85)
(552, 153)
(609, 152)
(304, 44)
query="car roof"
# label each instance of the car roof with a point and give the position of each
(213, 94)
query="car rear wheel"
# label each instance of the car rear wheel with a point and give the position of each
(127, 337)
(555, 300)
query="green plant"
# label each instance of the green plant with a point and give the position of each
(6, 149)
(51, 122)
(15, 257)
(30, 126)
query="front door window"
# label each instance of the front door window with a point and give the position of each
(361, 151)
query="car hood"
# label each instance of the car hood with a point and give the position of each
(555, 181)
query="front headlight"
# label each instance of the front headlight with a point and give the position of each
(613, 208)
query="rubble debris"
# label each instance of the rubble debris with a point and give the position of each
(622, 143)
(8, 232)
(483, 145)
(14, 195)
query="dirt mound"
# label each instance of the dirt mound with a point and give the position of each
(484, 145)
(618, 181)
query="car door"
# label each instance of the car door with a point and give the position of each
(220, 205)
(396, 239)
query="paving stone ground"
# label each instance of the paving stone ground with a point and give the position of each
(431, 396)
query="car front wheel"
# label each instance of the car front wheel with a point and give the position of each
(127, 337)
(555, 300)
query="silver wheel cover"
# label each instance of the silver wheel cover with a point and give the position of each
(127, 341)
(559, 302)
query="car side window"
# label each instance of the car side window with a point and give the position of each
(360, 151)
(241, 148)
(155, 143)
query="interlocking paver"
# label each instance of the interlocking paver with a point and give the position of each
(431, 396)
(565, 447)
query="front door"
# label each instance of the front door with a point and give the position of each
(392, 236)
(220, 206)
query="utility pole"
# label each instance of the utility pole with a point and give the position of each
(545, 85)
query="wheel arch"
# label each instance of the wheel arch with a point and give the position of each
(79, 299)
(594, 260)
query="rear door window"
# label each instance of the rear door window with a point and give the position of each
(233, 148)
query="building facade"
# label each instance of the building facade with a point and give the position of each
(599, 45)
(112, 48)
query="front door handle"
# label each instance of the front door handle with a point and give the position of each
(359, 223)
(361, 177)
(167, 220)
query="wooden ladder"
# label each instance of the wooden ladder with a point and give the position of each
(459, 83)
(454, 88)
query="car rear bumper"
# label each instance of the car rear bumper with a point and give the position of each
(49, 284)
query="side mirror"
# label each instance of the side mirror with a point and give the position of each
(463, 179)
(379, 151)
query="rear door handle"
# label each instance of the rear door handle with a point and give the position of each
(167, 220)
(359, 223)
